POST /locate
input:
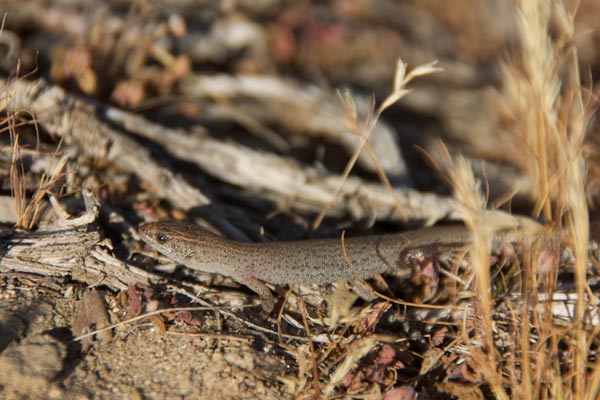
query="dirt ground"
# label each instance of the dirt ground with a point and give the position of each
(40, 360)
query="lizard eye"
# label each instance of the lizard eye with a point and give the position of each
(162, 238)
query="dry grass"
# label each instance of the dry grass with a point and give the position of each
(364, 128)
(543, 93)
(28, 212)
(517, 348)
(515, 344)
(28, 208)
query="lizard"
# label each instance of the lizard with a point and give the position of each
(316, 261)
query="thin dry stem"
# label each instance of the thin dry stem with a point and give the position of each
(364, 130)
(313, 354)
(467, 190)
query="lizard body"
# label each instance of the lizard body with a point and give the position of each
(317, 261)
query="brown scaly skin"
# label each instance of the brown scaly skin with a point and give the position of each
(317, 261)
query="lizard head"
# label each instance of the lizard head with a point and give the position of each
(178, 240)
